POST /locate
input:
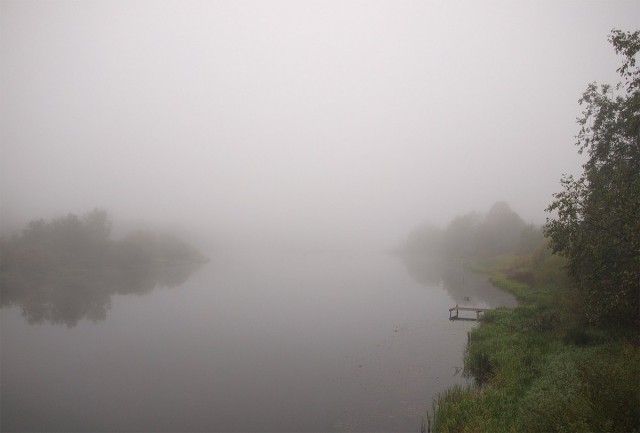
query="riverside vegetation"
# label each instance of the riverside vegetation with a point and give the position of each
(541, 367)
(567, 359)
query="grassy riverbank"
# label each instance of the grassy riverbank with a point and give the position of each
(540, 367)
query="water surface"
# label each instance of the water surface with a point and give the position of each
(249, 342)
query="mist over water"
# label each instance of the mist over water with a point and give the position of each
(250, 342)
(325, 124)
(294, 144)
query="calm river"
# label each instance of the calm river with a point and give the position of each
(249, 342)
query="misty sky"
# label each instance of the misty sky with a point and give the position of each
(326, 121)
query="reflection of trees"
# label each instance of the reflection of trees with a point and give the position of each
(68, 269)
(67, 296)
(465, 287)
(433, 256)
(424, 269)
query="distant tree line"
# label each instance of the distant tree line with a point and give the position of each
(472, 236)
(68, 268)
(476, 238)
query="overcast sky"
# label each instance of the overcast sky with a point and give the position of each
(323, 120)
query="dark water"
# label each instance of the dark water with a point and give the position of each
(249, 342)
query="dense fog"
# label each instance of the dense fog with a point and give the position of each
(265, 215)
(319, 124)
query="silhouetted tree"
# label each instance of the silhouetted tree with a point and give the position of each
(460, 236)
(531, 237)
(68, 269)
(500, 232)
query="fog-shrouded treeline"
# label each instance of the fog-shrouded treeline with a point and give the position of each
(474, 235)
(67, 269)
(479, 237)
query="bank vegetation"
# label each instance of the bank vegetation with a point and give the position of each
(567, 359)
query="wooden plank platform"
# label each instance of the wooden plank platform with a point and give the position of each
(457, 309)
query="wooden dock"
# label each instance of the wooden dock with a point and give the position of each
(457, 310)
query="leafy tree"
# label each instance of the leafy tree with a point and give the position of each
(597, 223)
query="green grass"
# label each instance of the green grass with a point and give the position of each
(521, 291)
(538, 368)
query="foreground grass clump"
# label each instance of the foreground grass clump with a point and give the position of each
(537, 368)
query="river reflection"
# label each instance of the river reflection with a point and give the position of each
(254, 341)
(464, 286)
(66, 296)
